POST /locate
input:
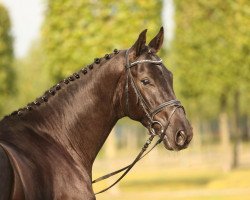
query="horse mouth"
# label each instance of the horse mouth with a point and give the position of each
(172, 146)
(167, 144)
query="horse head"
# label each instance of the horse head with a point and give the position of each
(149, 96)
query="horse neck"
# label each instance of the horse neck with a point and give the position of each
(87, 109)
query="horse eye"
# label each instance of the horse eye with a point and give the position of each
(145, 81)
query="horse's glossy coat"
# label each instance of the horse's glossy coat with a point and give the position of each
(47, 149)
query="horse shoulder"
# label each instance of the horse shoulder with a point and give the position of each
(10, 184)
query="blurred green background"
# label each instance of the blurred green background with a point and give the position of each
(209, 57)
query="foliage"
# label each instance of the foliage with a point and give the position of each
(6, 60)
(210, 54)
(76, 31)
(32, 79)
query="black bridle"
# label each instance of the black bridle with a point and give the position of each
(150, 114)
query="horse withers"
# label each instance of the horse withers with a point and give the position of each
(48, 148)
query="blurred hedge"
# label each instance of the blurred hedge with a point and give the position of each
(210, 55)
(6, 59)
(77, 31)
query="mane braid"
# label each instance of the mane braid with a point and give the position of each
(53, 90)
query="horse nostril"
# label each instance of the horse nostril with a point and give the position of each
(180, 138)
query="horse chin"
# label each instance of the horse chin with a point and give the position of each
(167, 144)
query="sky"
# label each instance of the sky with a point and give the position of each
(26, 17)
(168, 20)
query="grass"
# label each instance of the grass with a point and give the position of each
(181, 184)
(184, 176)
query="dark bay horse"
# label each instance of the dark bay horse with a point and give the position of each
(47, 149)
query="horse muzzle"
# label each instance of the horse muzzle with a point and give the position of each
(178, 141)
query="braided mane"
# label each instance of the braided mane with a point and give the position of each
(54, 89)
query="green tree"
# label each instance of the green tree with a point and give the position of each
(76, 31)
(210, 54)
(32, 79)
(6, 60)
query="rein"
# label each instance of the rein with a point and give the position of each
(150, 113)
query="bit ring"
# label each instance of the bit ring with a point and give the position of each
(152, 130)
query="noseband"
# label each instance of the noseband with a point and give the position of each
(150, 114)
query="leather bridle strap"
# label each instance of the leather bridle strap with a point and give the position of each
(129, 76)
(127, 168)
(165, 104)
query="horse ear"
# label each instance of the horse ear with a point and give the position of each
(139, 45)
(157, 41)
